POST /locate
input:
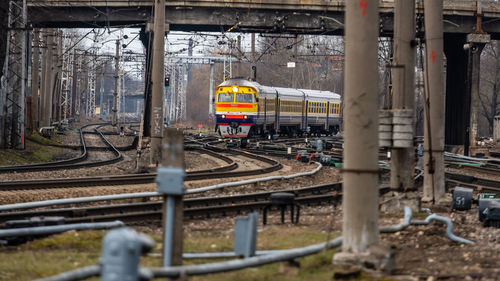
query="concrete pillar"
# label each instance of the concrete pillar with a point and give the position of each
(403, 85)
(157, 76)
(360, 188)
(456, 77)
(35, 78)
(496, 129)
(434, 187)
(474, 46)
(46, 94)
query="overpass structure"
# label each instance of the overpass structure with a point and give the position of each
(275, 16)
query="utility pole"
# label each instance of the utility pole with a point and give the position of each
(101, 93)
(76, 84)
(115, 92)
(34, 78)
(211, 96)
(59, 92)
(360, 188)
(13, 99)
(434, 109)
(46, 97)
(403, 74)
(475, 44)
(157, 77)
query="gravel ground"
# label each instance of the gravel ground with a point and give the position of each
(420, 251)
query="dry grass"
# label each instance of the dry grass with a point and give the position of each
(72, 250)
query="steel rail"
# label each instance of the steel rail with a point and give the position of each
(189, 203)
(73, 163)
(194, 208)
(140, 178)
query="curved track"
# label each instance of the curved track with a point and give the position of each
(73, 163)
(218, 172)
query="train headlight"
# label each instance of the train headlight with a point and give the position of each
(223, 116)
(245, 117)
(235, 89)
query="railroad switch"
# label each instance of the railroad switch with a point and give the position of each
(282, 200)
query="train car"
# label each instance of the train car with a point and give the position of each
(244, 108)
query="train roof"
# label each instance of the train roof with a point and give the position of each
(281, 91)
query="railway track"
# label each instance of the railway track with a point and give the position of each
(194, 208)
(480, 184)
(73, 163)
(217, 172)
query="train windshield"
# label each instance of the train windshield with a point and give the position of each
(245, 98)
(225, 97)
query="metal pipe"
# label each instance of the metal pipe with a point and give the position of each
(169, 232)
(79, 274)
(47, 203)
(244, 263)
(434, 109)
(267, 258)
(217, 255)
(27, 231)
(360, 172)
(406, 222)
(449, 227)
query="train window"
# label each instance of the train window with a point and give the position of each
(245, 98)
(225, 97)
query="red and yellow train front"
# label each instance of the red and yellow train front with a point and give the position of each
(236, 110)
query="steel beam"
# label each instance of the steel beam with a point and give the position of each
(315, 17)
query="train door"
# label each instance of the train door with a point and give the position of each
(264, 127)
(327, 115)
(303, 123)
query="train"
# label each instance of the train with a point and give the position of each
(244, 108)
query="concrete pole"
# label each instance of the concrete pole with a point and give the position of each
(115, 91)
(173, 156)
(34, 78)
(294, 76)
(101, 94)
(434, 109)
(211, 96)
(403, 73)
(74, 88)
(43, 77)
(474, 46)
(157, 76)
(360, 189)
(58, 91)
(46, 97)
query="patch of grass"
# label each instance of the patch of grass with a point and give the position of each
(34, 152)
(73, 250)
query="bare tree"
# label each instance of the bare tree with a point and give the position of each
(489, 95)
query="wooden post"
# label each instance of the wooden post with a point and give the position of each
(173, 156)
